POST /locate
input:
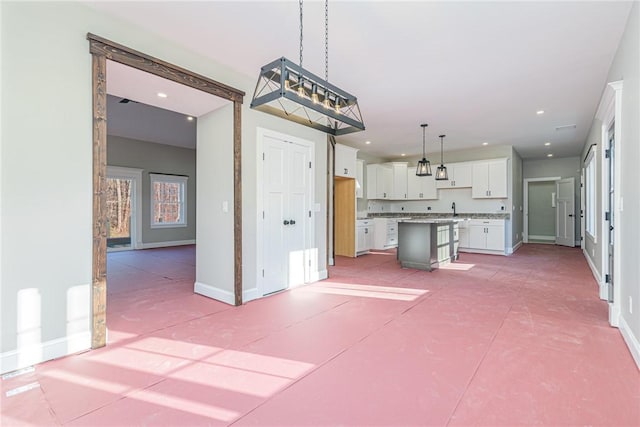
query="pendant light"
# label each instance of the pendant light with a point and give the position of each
(287, 90)
(441, 171)
(424, 166)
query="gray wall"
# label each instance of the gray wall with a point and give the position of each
(157, 158)
(626, 67)
(542, 214)
(568, 167)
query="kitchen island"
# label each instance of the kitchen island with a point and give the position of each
(427, 243)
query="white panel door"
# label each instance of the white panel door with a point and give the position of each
(287, 189)
(276, 157)
(299, 209)
(565, 212)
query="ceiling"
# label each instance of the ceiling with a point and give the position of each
(143, 122)
(475, 71)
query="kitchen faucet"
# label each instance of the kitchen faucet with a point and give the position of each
(453, 206)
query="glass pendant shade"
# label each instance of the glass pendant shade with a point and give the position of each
(424, 166)
(441, 173)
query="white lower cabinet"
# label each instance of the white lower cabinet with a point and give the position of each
(486, 234)
(385, 234)
(364, 236)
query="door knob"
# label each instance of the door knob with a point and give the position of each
(292, 222)
(286, 222)
(571, 215)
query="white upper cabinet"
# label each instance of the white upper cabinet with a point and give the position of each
(399, 180)
(379, 181)
(345, 161)
(359, 179)
(420, 187)
(490, 179)
(460, 175)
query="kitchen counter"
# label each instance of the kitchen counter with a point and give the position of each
(426, 244)
(433, 215)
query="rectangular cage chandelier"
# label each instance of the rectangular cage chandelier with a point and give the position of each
(287, 90)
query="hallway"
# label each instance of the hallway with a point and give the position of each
(488, 340)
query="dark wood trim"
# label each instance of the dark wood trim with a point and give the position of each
(101, 50)
(124, 55)
(99, 274)
(237, 200)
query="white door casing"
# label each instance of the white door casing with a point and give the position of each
(565, 212)
(286, 222)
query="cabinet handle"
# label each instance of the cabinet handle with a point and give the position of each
(405, 196)
(346, 171)
(292, 222)
(286, 222)
(366, 231)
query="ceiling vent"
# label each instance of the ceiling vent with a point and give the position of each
(565, 127)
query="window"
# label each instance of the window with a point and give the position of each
(168, 200)
(590, 194)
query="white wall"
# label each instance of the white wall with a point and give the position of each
(626, 67)
(47, 152)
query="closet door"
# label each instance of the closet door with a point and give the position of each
(286, 190)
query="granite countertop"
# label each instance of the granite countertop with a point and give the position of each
(433, 220)
(430, 215)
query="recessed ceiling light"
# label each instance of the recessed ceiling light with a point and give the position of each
(190, 118)
(549, 155)
(539, 112)
(485, 143)
(547, 144)
(367, 142)
(162, 95)
(403, 154)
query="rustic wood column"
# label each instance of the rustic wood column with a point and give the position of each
(99, 275)
(237, 200)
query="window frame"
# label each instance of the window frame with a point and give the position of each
(590, 195)
(179, 179)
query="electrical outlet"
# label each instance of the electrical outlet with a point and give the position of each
(593, 252)
(402, 208)
(428, 208)
(630, 305)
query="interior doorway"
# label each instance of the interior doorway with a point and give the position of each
(101, 49)
(539, 225)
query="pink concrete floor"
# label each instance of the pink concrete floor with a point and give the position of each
(490, 340)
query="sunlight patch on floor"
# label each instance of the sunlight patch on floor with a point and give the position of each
(366, 291)
(457, 266)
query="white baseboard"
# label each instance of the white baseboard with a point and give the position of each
(49, 350)
(514, 248)
(550, 238)
(631, 340)
(602, 287)
(154, 245)
(482, 251)
(215, 293)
